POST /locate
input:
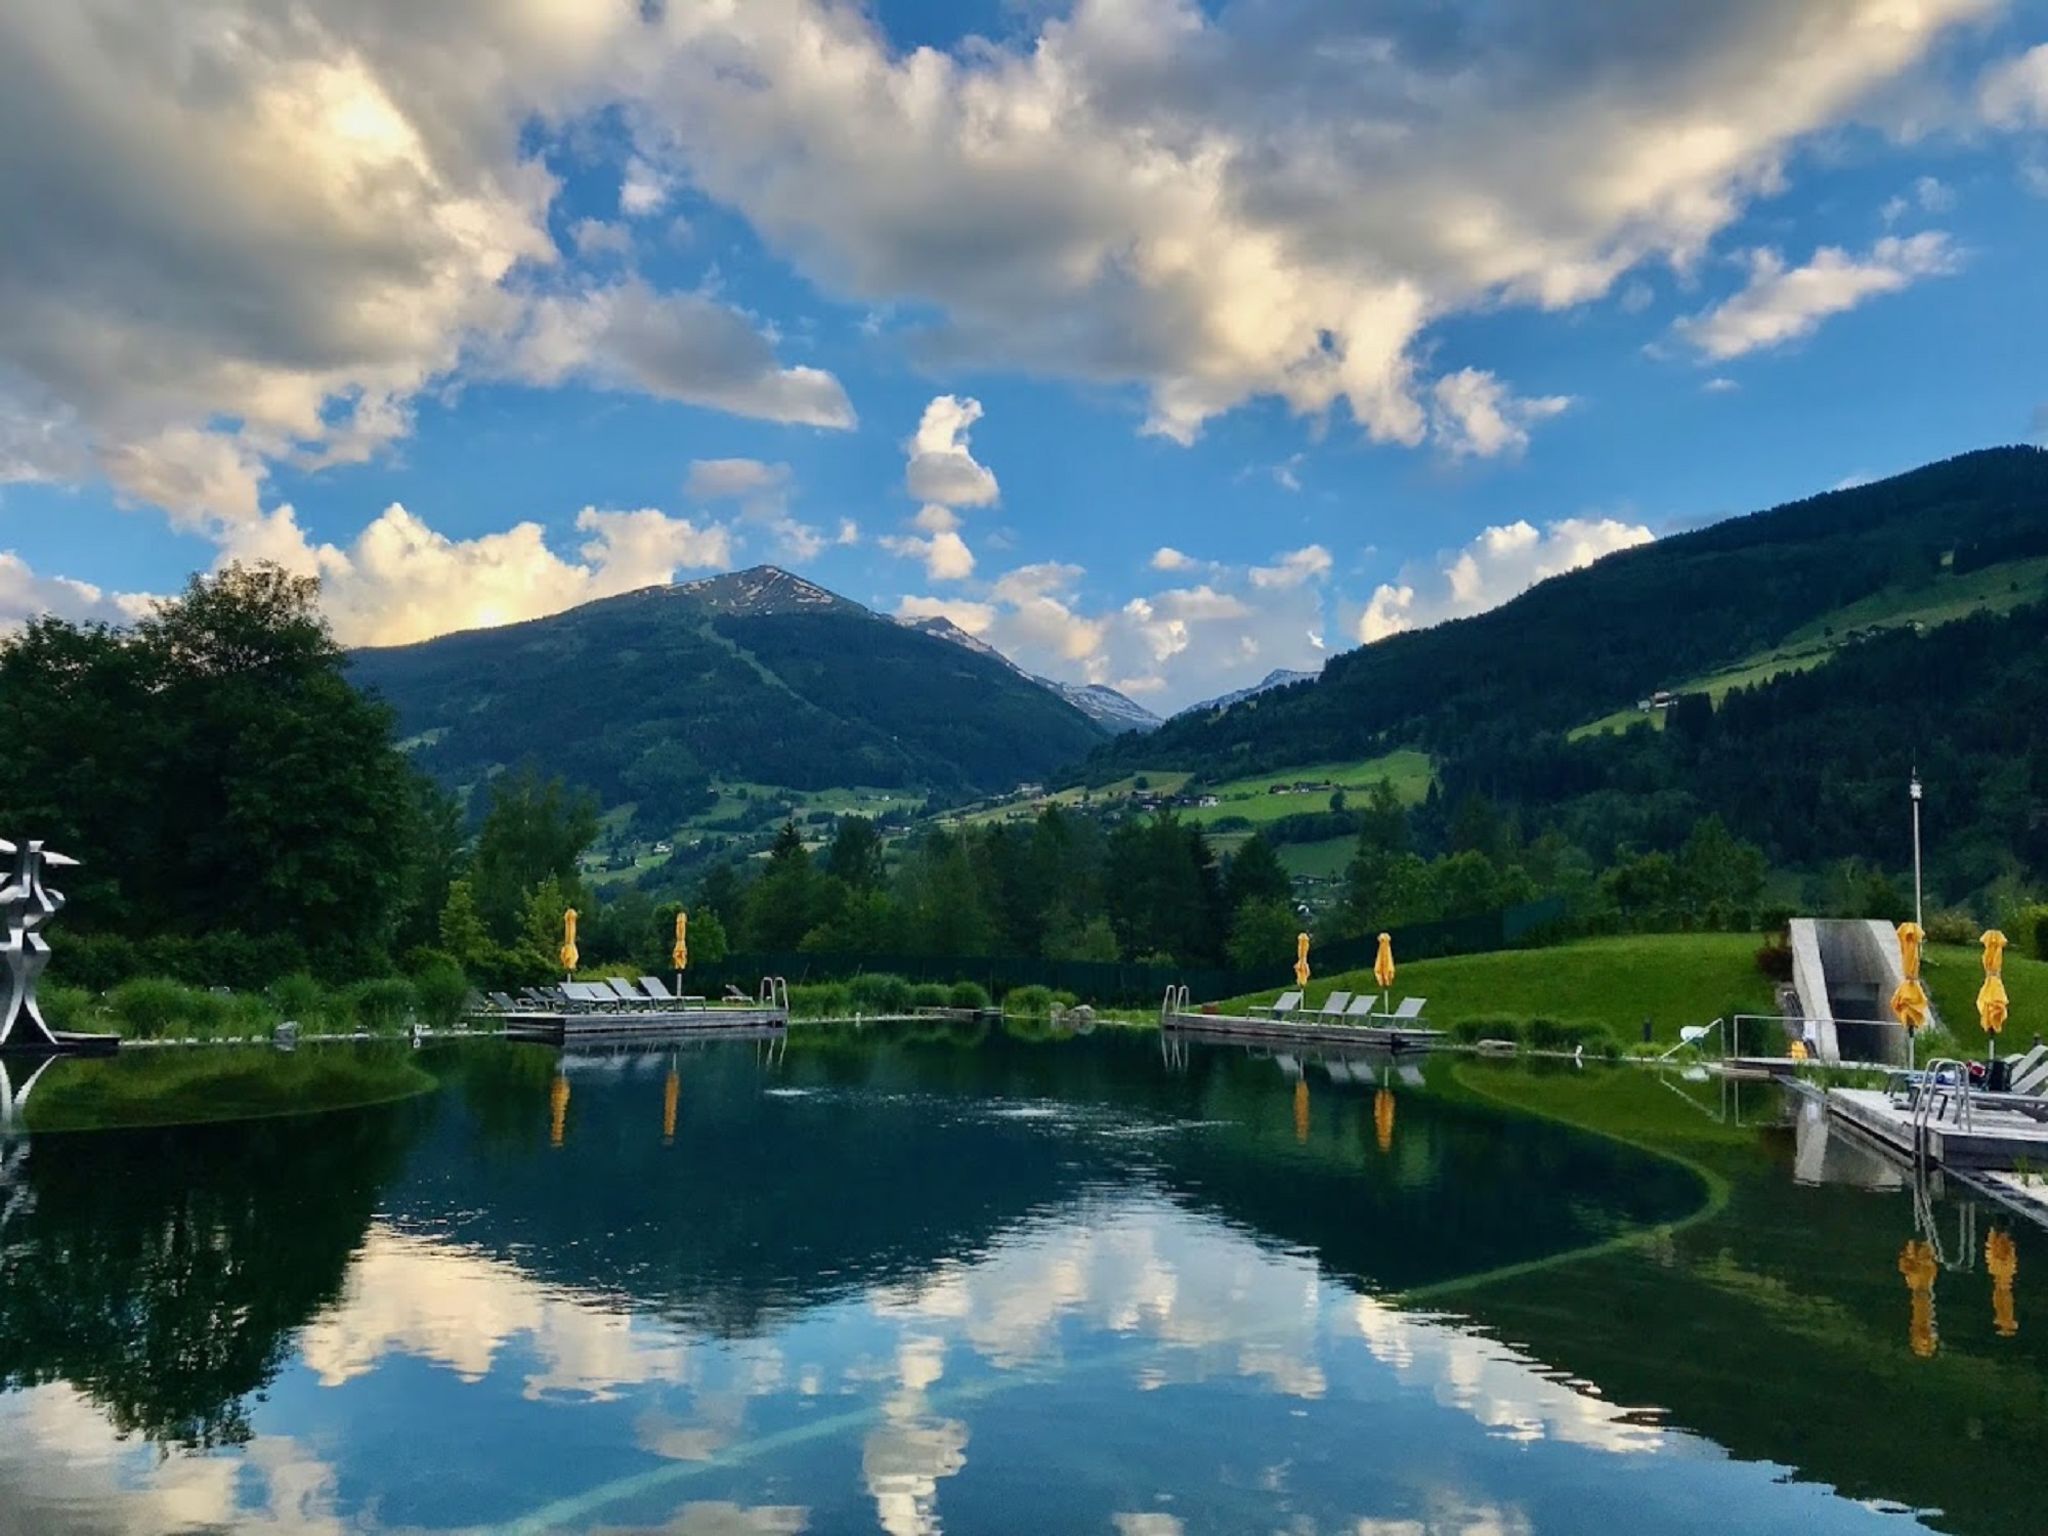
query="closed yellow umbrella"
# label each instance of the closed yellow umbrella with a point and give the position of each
(681, 953)
(569, 955)
(1383, 970)
(1909, 998)
(1993, 1007)
(1301, 959)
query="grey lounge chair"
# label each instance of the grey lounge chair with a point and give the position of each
(2033, 1079)
(656, 990)
(1281, 1006)
(1361, 1006)
(625, 991)
(1334, 1006)
(1409, 1011)
(502, 1003)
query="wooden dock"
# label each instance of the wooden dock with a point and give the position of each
(1994, 1140)
(1313, 1031)
(605, 1025)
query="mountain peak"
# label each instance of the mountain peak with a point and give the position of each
(765, 589)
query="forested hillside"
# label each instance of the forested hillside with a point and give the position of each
(758, 676)
(1581, 645)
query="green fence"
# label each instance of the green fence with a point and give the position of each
(1131, 984)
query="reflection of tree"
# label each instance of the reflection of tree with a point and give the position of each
(162, 1272)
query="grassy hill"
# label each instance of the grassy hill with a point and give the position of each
(757, 677)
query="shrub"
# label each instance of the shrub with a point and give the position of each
(65, 1007)
(151, 1007)
(927, 994)
(300, 998)
(98, 962)
(1486, 1027)
(1034, 1001)
(1952, 927)
(879, 992)
(1775, 961)
(380, 1004)
(967, 994)
(443, 992)
(821, 1000)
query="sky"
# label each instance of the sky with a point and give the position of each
(1159, 344)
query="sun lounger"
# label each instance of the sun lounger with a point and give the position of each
(502, 1003)
(1281, 1006)
(656, 990)
(1409, 1011)
(1361, 1006)
(2034, 1080)
(1334, 1006)
(624, 990)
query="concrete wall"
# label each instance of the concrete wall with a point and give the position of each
(1846, 970)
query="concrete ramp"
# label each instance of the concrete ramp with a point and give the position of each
(1845, 971)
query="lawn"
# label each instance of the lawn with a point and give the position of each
(1670, 979)
(1409, 771)
(1326, 860)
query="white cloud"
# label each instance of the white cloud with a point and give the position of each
(24, 595)
(945, 554)
(1474, 415)
(399, 580)
(1176, 645)
(762, 493)
(941, 466)
(676, 346)
(1499, 564)
(594, 238)
(642, 190)
(1720, 384)
(1261, 200)
(2015, 93)
(1782, 304)
(1167, 558)
(1292, 568)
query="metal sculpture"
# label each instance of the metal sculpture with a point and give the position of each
(26, 905)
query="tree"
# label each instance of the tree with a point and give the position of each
(1262, 935)
(1255, 873)
(708, 944)
(1338, 800)
(856, 854)
(1069, 937)
(535, 830)
(462, 932)
(540, 921)
(784, 904)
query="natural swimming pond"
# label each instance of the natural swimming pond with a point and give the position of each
(942, 1279)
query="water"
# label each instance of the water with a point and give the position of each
(939, 1281)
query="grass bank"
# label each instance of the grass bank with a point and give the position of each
(1672, 979)
(156, 1088)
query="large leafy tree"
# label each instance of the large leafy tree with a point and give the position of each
(214, 768)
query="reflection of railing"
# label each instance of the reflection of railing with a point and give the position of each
(1781, 1020)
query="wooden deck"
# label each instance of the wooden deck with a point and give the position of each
(1226, 1026)
(593, 1025)
(1994, 1140)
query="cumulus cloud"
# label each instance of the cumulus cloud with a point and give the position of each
(1167, 558)
(761, 493)
(1501, 563)
(262, 231)
(1477, 416)
(676, 346)
(1171, 647)
(941, 466)
(1256, 200)
(2015, 93)
(24, 595)
(945, 554)
(1781, 304)
(400, 580)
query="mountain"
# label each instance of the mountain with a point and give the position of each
(1580, 646)
(1811, 656)
(1104, 705)
(1279, 677)
(757, 676)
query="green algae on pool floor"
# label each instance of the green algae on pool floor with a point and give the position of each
(913, 1280)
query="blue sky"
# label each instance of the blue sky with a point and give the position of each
(1238, 334)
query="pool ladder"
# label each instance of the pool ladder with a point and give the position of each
(1175, 1001)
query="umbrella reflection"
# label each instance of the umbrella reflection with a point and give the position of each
(1383, 1119)
(558, 1110)
(1301, 1110)
(1916, 1266)
(2003, 1260)
(671, 1091)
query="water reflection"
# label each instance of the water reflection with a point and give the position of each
(916, 1288)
